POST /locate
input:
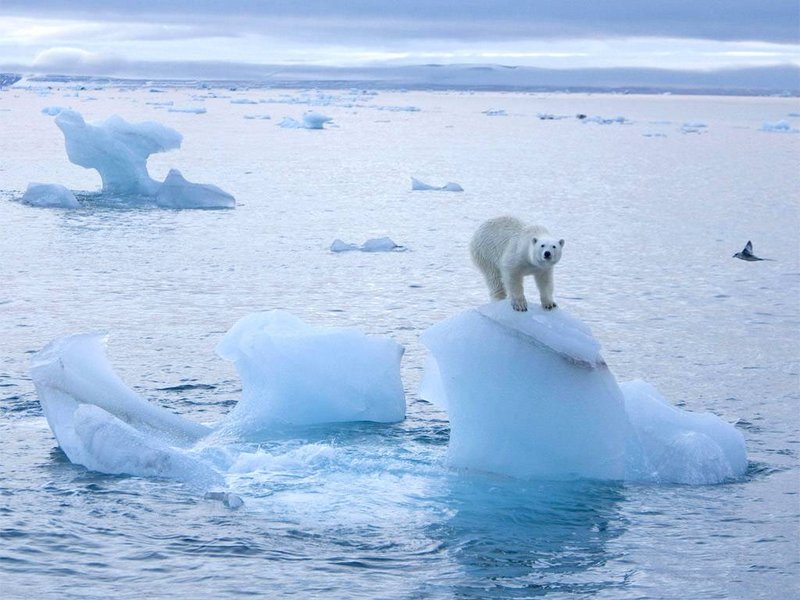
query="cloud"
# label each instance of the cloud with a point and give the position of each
(390, 21)
(70, 61)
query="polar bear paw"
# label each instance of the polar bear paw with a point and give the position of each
(549, 305)
(519, 304)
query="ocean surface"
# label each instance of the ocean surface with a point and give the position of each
(652, 207)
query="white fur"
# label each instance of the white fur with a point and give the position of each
(505, 250)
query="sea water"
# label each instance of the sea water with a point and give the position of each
(652, 207)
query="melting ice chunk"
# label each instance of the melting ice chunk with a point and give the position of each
(50, 195)
(296, 374)
(177, 192)
(418, 185)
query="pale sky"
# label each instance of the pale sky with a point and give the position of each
(114, 37)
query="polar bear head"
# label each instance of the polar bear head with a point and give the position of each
(545, 252)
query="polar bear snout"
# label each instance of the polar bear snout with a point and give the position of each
(547, 254)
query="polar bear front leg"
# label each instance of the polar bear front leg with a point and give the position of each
(513, 285)
(544, 281)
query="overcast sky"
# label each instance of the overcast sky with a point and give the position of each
(115, 37)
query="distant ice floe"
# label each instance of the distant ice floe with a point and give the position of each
(119, 150)
(417, 185)
(604, 120)
(382, 244)
(49, 195)
(529, 395)
(52, 110)
(694, 127)
(293, 374)
(197, 110)
(778, 127)
(495, 112)
(311, 120)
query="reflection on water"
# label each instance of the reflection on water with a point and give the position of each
(511, 539)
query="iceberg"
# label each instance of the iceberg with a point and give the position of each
(177, 192)
(529, 395)
(295, 374)
(118, 150)
(49, 195)
(418, 185)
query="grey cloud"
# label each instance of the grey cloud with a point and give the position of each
(776, 21)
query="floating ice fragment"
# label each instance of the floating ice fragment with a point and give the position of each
(177, 192)
(315, 120)
(693, 127)
(102, 424)
(777, 126)
(118, 150)
(340, 246)
(49, 195)
(196, 110)
(383, 244)
(418, 185)
(499, 112)
(603, 120)
(228, 499)
(52, 110)
(311, 120)
(296, 374)
(529, 395)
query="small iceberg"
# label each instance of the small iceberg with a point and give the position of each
(383, 244)
(49, 195)
(529, 395)
(293, 374)
(118, 150)
(177, 192)
(417, 185)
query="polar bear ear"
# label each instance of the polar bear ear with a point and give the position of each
(561, 243)
(534, 241)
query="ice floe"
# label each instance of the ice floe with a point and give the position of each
(529, 395)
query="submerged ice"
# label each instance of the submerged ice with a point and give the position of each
(49, 195)
(529, 395)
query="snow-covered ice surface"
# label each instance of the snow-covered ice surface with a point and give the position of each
(366, 510)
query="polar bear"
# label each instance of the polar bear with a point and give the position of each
(505, 250)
